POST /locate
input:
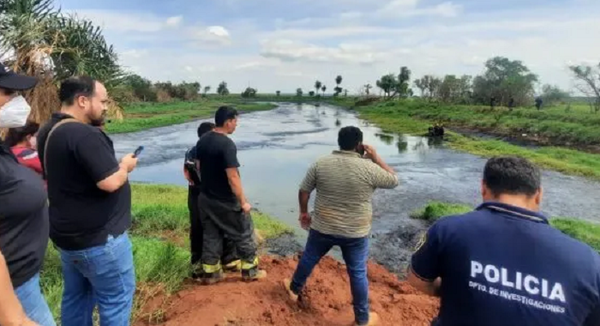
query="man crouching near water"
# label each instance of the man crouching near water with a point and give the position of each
(224, 209)
(345, 182)
(503, 264)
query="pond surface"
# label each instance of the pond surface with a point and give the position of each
(276, 147)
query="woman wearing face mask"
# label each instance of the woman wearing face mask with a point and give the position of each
(24, 225)
(23, 143)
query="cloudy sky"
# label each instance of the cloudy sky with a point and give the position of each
(285, 44)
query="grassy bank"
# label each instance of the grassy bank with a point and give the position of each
(160, 246)
(405, 117)
(584, 231)
(143, 116)
(550, 126)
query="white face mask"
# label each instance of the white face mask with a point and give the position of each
(14, 113)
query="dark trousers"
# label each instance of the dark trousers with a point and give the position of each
(355, 252)
(229, 253)
(220, 219)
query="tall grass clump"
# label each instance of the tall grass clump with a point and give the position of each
(435, 210)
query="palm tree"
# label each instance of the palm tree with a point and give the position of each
(318, 85)
(338, 89)
(38, 40)
(324, 88)
(206, 90)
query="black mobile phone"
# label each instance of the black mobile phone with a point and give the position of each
(361, 150)
(138, 151)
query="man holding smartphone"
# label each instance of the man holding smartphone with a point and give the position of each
(90, 207)
(224, 209)
(345, 181)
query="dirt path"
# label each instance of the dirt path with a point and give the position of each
(327, 303)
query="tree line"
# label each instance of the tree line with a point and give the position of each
(504, 82)
(38, 39)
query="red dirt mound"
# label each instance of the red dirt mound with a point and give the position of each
(265, 302)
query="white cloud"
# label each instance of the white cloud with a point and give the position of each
(410, 8)
(212, 36)
(174, 21)
(356, 39)
(123, 21)
(288, 50)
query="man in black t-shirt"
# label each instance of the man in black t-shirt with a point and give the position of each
(223, 207)
(90, 207)
(192, 175)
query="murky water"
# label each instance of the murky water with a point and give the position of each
(276, 147)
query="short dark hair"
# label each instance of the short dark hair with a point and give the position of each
(349, 137)
(17, 135)
(205, 127)
(511, 175)
(73, 87)
(223, 114)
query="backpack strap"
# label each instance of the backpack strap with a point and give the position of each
(58, 124)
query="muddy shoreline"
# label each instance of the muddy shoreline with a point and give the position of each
(391, 249)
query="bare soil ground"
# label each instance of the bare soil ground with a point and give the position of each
(327, 300)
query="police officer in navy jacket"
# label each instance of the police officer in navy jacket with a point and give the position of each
(503, 264)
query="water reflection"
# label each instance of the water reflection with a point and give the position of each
(276, 147)
(387, 139)
(402, 145)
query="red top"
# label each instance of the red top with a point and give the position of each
(28, 157)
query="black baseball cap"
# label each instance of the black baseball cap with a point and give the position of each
(13, 81)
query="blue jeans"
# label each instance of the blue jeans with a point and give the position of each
(102, 276)
(33, 302)
(355, 252)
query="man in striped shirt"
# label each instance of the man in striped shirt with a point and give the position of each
(345, 181)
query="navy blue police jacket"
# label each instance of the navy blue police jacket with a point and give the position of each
(502, 265)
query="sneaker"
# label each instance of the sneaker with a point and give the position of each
(287, 285)
(234, 266)
(212, 278)
(254, 274)
(373, 320)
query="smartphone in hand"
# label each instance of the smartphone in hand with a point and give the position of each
(361, 150)
(138, 151)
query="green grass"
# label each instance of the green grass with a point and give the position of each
(402, 117)
(159, 208)
(159, 236)
(159, 265)
(552, 125)
(435, 210)
(584, 231)
(152, 115)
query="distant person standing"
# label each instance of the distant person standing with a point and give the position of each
(503, 264)
(538, 103)
(224, 209)
(23, 143)
(511, 104)
(24, 225)
(90, 207)
(345, 182)
(192, 175)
